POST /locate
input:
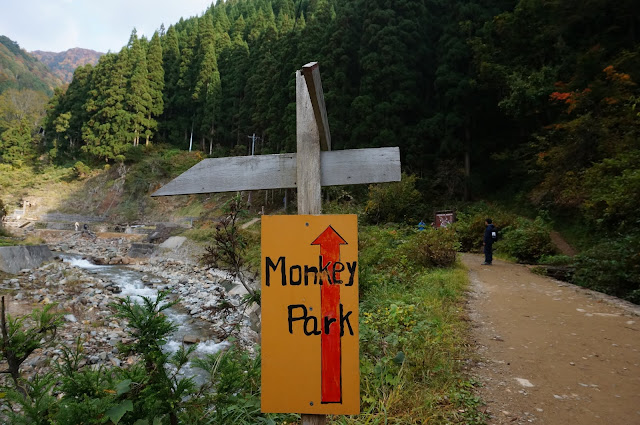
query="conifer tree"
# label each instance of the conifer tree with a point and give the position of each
(138, 99)
(234, 66)
(107, 132)
(155, 75)
(206, 92)
(392, 61)
(239, 27)
(67, 113)
(170, 129)
(17, 146)
(187, 74)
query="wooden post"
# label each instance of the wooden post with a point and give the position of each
(308, 173)
(308, 152)
(314, 419)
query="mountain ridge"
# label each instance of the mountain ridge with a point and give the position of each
(63, 64)
(20, 70)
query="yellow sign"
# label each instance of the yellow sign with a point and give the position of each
(310, 359)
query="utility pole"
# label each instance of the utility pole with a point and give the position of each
(253, 143)
(253, 150)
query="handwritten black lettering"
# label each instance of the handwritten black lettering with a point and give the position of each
(324, 271)
(352, 272)
(306, 318)
(307, 271)
(327, 323)
(345, 318)
(337, 268)
(310, 323)
(271, 265)
(298, 280)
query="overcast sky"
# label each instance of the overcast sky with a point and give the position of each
(102, 25)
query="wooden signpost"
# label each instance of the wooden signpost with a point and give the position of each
(310, 314)
(320, 249)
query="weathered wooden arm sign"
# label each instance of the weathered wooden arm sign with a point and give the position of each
(258, 172)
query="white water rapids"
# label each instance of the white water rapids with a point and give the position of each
(131, 284)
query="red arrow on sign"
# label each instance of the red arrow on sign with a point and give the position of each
(331, 369)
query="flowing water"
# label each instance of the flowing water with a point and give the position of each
(131, 283)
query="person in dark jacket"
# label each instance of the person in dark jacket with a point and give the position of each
(488, 242)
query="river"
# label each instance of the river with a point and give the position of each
(131, 284)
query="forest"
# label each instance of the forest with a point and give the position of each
(534, 102)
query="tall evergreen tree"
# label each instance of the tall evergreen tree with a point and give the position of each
(155, 75)
(171, 131)
(234, 66)
(107, 131)
(138, 96)
(207, 89)
(187, 75)
(68, 113)
(392, 61)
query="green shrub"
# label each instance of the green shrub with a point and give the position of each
(21, 336)
(32, 409)
(612, 267)
(556, 260)
(527, 241)
(135, 154)
(81, 170)
(470, 225)
(395, 202)
(151, 391)
(433, 248)
(381, 260)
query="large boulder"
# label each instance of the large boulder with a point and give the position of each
(173, 242)
(16, 258)
(141, 250)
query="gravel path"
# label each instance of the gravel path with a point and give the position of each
(550, 352)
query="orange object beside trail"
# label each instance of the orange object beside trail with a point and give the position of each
(310, 357)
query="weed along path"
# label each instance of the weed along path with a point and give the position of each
(551, 352)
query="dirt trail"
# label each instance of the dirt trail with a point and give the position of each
(550, 352)
(562, 245)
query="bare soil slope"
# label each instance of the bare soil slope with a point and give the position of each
(551, 352)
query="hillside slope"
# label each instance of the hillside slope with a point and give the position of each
(20, 70)
(62, 64)
(119, 194)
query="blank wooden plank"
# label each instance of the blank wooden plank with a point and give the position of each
(311, 73)
(357, 166)
(360, 166)
(234, 173)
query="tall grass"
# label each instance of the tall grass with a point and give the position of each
(413, 337)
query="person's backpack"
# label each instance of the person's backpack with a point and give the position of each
(495, 236)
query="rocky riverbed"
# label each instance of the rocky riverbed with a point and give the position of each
(210, 305)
